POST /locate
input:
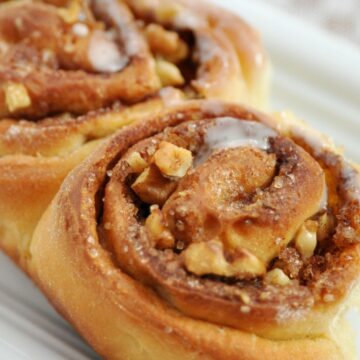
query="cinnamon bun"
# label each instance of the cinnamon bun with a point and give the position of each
(208, 231)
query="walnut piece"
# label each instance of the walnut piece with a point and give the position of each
(306, 238)
(16, 96)
(172, 160)
(247, 265)
(136, 162)
(208, 258)
(152, 187)
(277, 277)
(168, 73)
(157, 230)
(166, 43)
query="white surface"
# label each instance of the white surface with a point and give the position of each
(29, 327)
(341, 17)
(316, 75)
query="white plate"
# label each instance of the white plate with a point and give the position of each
(315, 74)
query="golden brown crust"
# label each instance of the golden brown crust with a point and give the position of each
(122, 319)
(91, 245)
(28, 184)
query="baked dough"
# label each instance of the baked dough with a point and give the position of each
(146, 250)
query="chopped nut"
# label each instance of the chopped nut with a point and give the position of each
(248, 261)
(306, 238)
(206, 258)
(233, 239)
(169, 73)
(172, 160)
(277, 277)
(136, 162)
(152, 187)
(16, 96)
(158, 232)
(166, 43)
(248, 265)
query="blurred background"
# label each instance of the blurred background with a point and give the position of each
(339, 16)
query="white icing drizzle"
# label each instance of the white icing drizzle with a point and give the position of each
(228, 132)
(131, 40)
(104, 54)
(317, 141)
